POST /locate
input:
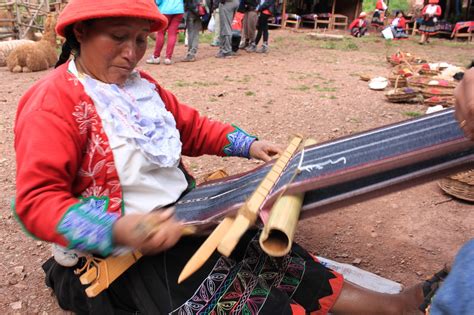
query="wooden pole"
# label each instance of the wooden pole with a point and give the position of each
(356, 13)
(18, 19)
(331, 18)
(468, 10)
(283, 14)
(33, 18)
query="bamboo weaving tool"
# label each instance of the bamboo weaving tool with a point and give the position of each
(225, 238)
(280, 227)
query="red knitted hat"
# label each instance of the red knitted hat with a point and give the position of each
(433, 1)
(81, 10)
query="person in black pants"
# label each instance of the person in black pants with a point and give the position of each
(265, 10)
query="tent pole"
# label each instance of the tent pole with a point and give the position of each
(283, 14)
(330, 26)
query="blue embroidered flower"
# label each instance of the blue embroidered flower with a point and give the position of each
(239, 143)
(88, 227)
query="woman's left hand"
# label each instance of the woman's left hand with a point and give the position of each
(264, 150)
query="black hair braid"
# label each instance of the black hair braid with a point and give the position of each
(70, 46)
(65, 53)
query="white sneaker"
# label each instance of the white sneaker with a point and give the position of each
(153, 60)
(167, 61)
(65, 257)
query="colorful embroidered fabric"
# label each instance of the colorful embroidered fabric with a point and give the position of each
(243, 287)
(88, 227)
(239, 143)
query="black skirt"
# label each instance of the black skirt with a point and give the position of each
(249, 282)
(429, 26)
(377, 19)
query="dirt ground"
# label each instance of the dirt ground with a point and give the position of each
(302, 86)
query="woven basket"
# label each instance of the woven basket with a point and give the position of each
(424, 81)
(402, 81)
(429, 72)
(419, 81)
(402, 95)
(460, 185)
(402, 72)
(445, 101)
(430, 92)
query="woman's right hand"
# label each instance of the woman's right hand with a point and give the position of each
(464, 94)
(137, 231)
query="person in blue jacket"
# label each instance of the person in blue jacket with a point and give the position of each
(174, 11)
(456, 294)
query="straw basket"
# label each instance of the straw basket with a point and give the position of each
(430, 92)
(430, 72)
(460, 185)
(445, 101)
(427, 70)
(401, 95)
(402, 81)
(419, 81)
(402, 72)
(424, 81)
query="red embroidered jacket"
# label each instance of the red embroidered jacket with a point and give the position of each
(63, 156)
(437, 12)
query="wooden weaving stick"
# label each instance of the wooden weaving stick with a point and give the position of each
(248, 213)
(226, 237)
(206, 249)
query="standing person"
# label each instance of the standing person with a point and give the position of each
(379, 14)
(227, 10)
(358, 27)
(114, 167)
(399, 26)
(265, 11)
(455, 296)
(249, 23)
(429, 24)
(193, 11)
(173, 10)
(213, 5)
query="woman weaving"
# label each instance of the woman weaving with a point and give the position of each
(98, 148)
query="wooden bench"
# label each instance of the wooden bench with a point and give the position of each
(464, 30)
(292, 19)
(339, 20)
(323, 20)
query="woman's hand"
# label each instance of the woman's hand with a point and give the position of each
(464, 94)
(264, 150)
(150, 233)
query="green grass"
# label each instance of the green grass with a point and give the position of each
(412, 114)
(345, 45)
(204, 38)
(325, 88)
(302, 88)
(181, 83)
(369, 5)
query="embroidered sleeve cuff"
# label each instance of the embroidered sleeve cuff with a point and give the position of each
(88, 226)
(239, 143)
